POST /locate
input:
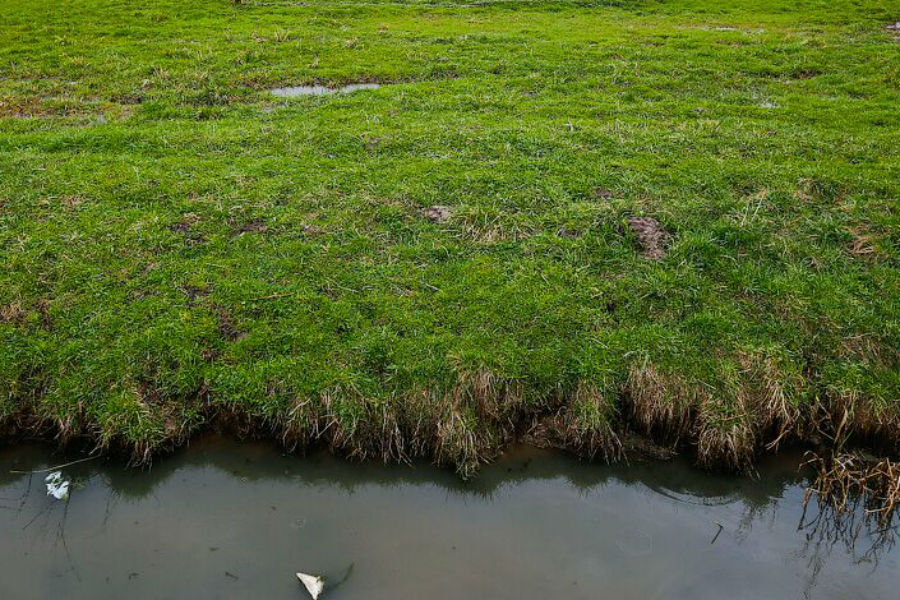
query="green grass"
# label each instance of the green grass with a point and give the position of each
(206, 249)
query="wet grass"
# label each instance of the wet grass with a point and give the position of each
(461, 257)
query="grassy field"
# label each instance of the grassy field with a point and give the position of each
(181, 247)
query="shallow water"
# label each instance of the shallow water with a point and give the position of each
(321, 90)
(230, 520)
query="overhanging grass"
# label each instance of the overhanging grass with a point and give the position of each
(207, 249)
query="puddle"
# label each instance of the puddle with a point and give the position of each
(321, 90)
(230, 520)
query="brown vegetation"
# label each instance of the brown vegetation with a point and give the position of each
(845, 480)
(655, 412)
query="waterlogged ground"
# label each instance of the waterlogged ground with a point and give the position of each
(237, 520)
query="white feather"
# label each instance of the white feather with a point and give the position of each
(57, 486)
(313, 584)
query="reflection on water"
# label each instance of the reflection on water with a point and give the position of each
(223, 519)
(321, 90)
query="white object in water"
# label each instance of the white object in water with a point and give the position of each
(57, 486)
(313, 584)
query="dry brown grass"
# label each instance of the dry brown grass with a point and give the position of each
(458, 441)
(726, 438)
(845, 480)
(584, 425)
(469, 423)
(661, 405)
(13, 313)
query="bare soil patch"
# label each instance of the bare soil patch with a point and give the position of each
(437, 213)
(254, 226)
(651, 236)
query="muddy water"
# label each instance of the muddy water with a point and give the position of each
(230, 520)
(320, 90)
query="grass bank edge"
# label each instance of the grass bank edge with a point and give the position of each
(469, 422)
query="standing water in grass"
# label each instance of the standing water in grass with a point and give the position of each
(231, 520)
(321, 90)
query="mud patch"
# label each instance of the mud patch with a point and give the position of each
(437, 213)
(862, 244)
(565, 232)
(194, 294)
(227, 328)
(186, 228)
(650, 235)
(804, 74)
(13, 314)
(187, 221)
(311, 230)
(69, 202)
(320, 90)
(254, 226)
(180, 227)
(43, 310)
(16, 314)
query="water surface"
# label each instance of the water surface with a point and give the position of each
(229, 520)
(321, 90)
